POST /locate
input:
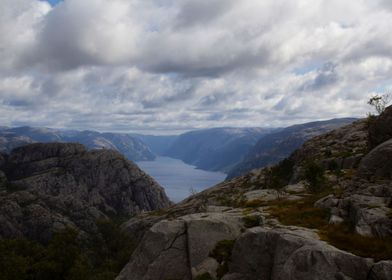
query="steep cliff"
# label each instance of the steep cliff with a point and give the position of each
(51, 186)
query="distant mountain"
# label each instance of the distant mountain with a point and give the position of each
(131, 147)
(216, 149)
(274, 147)
(157, 144)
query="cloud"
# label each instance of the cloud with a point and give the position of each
(124, 65)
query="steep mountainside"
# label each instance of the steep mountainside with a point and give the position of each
(157, 144)
(274, 147)
(322, 213)
(131, 147)
(47, 187)
(216, 149)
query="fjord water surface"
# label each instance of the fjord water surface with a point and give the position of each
(178, 178)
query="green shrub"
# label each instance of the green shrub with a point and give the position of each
(279, 175)
(222, 254)
(252, 221)
(66, 256)
(314, 175)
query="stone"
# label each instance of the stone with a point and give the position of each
(381, 271)
(377, 163)
(380, 129)
(56, 185)
(179, 249)
(282, 254)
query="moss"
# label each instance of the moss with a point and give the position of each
(222, 254)
(252, 221)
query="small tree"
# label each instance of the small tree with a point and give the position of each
(380, 102)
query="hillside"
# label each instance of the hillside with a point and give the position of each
(276, 146)
(129, 146)
(217, 149)
(322, 213)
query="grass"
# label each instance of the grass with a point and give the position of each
(343, 237)
(299, 213)
(303, 213)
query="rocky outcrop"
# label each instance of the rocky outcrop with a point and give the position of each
(378, 162)
(180, 248)
(380, 128)
(263, 253)
(57, 185)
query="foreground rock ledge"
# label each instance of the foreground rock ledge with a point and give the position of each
(179, 249)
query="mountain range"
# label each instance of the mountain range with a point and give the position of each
(276, 146)
(131, 147)
(216, 149)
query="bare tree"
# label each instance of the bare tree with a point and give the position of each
(380, 102)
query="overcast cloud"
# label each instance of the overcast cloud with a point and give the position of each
(173, 65)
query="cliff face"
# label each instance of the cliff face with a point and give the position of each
(323, 213)
(50, 186)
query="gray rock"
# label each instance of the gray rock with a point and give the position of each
(381, 271)
(179, 249)
(285, 254)
(380, 129)
(66, 185)
(377, 163)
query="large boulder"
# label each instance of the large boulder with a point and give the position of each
(378, 163)
(381, 271)
(380, 129)
(179, 249)
(284, 254)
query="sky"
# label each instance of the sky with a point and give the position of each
(165, 66)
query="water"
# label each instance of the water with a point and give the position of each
(178, 178)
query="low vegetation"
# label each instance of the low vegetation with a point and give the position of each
(343, 237)
(278, 176)
(314, 174)
(222, 254)
(252, 221)
(67, 257)
(303, 213)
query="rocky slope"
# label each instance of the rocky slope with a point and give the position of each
(276, 146)
(217, 149)
(47, 187)
(129, 146)
(323, 213)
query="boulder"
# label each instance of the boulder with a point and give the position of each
(380, 129)
(381, 271)
(179, 249)
(377, 163)
(284, 254)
